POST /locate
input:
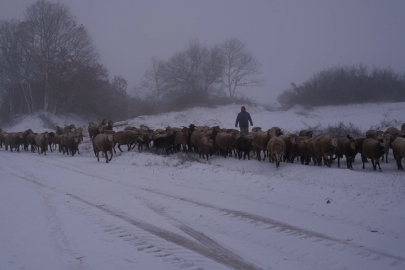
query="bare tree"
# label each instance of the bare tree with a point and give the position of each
(58, 42)
(240, 66)
(195, 70)
(152, 83)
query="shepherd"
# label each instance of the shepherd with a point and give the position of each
(243, 120)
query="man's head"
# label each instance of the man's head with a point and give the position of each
(243, 109)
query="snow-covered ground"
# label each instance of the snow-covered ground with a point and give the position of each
(145, 211)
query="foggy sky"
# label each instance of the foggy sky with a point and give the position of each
(293, 39)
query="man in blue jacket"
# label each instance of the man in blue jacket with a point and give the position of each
(243, 119)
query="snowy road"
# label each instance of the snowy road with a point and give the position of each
(144, 211)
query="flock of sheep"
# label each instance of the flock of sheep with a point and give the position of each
(207, 141)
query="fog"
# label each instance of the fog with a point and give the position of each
(293, 39)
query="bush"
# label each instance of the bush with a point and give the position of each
(345, 85)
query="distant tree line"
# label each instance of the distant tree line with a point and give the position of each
(345, 85)
(48, 62)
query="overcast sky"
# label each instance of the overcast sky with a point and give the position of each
(293, 39)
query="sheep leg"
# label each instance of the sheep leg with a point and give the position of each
(379, 167)
(399, 164)
(111, 155)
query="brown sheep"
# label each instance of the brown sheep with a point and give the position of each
(209, 132)
(144, 139)
(15, 140)
(41, 141)
(120, 138)
(289, 140)
(103, 143)
(306, 133)
(323, 147)
(4, 139)
(388, 139)
(276, 148)
(92, 130)
(398, 147)
(226, 142)
(256, 129)
(372, 133)
(69, 144)
(31, 141)
(393, 131)
(59, 130)
(302, 151)
(346, 147)
(183, 138)
(205, 147)
(373, 149)
(25, 134)
(261, 139)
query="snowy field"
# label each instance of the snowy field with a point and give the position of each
(147, 211)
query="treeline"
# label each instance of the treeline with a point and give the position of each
(199, 76)
(345, 85)
(48, 62)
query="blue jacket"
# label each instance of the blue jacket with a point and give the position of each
(242, 119)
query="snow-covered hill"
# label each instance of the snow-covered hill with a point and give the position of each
(148, 211)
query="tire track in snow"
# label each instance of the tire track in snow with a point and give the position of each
(70, 259)
(214, 252)
(255, 218)
(275, 223)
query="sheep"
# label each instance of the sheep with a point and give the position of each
(25, 134)
(164, 141)
(183, 137)
(393, 131)
(209, 132)
(306, 133)
(261, 139)
(120, 138)
(51, 136)
(15, 139)
(398, 148)
(59, 130)
(301, 149)
(323, 147)
(4, 139)
(31, 141)
(346, 147)
(205, 147)
(144, 139)
(92, 130)
(256, 129)
(388, 139)
(41, 141)
(371, 133)
(70, 144)
(289, 140)
(103, 143)
(244, 144)
(226, 142)
(276, 148)
(373, 149)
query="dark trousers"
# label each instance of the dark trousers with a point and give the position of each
(244, 130)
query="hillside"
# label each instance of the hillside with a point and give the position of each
(149, 211)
